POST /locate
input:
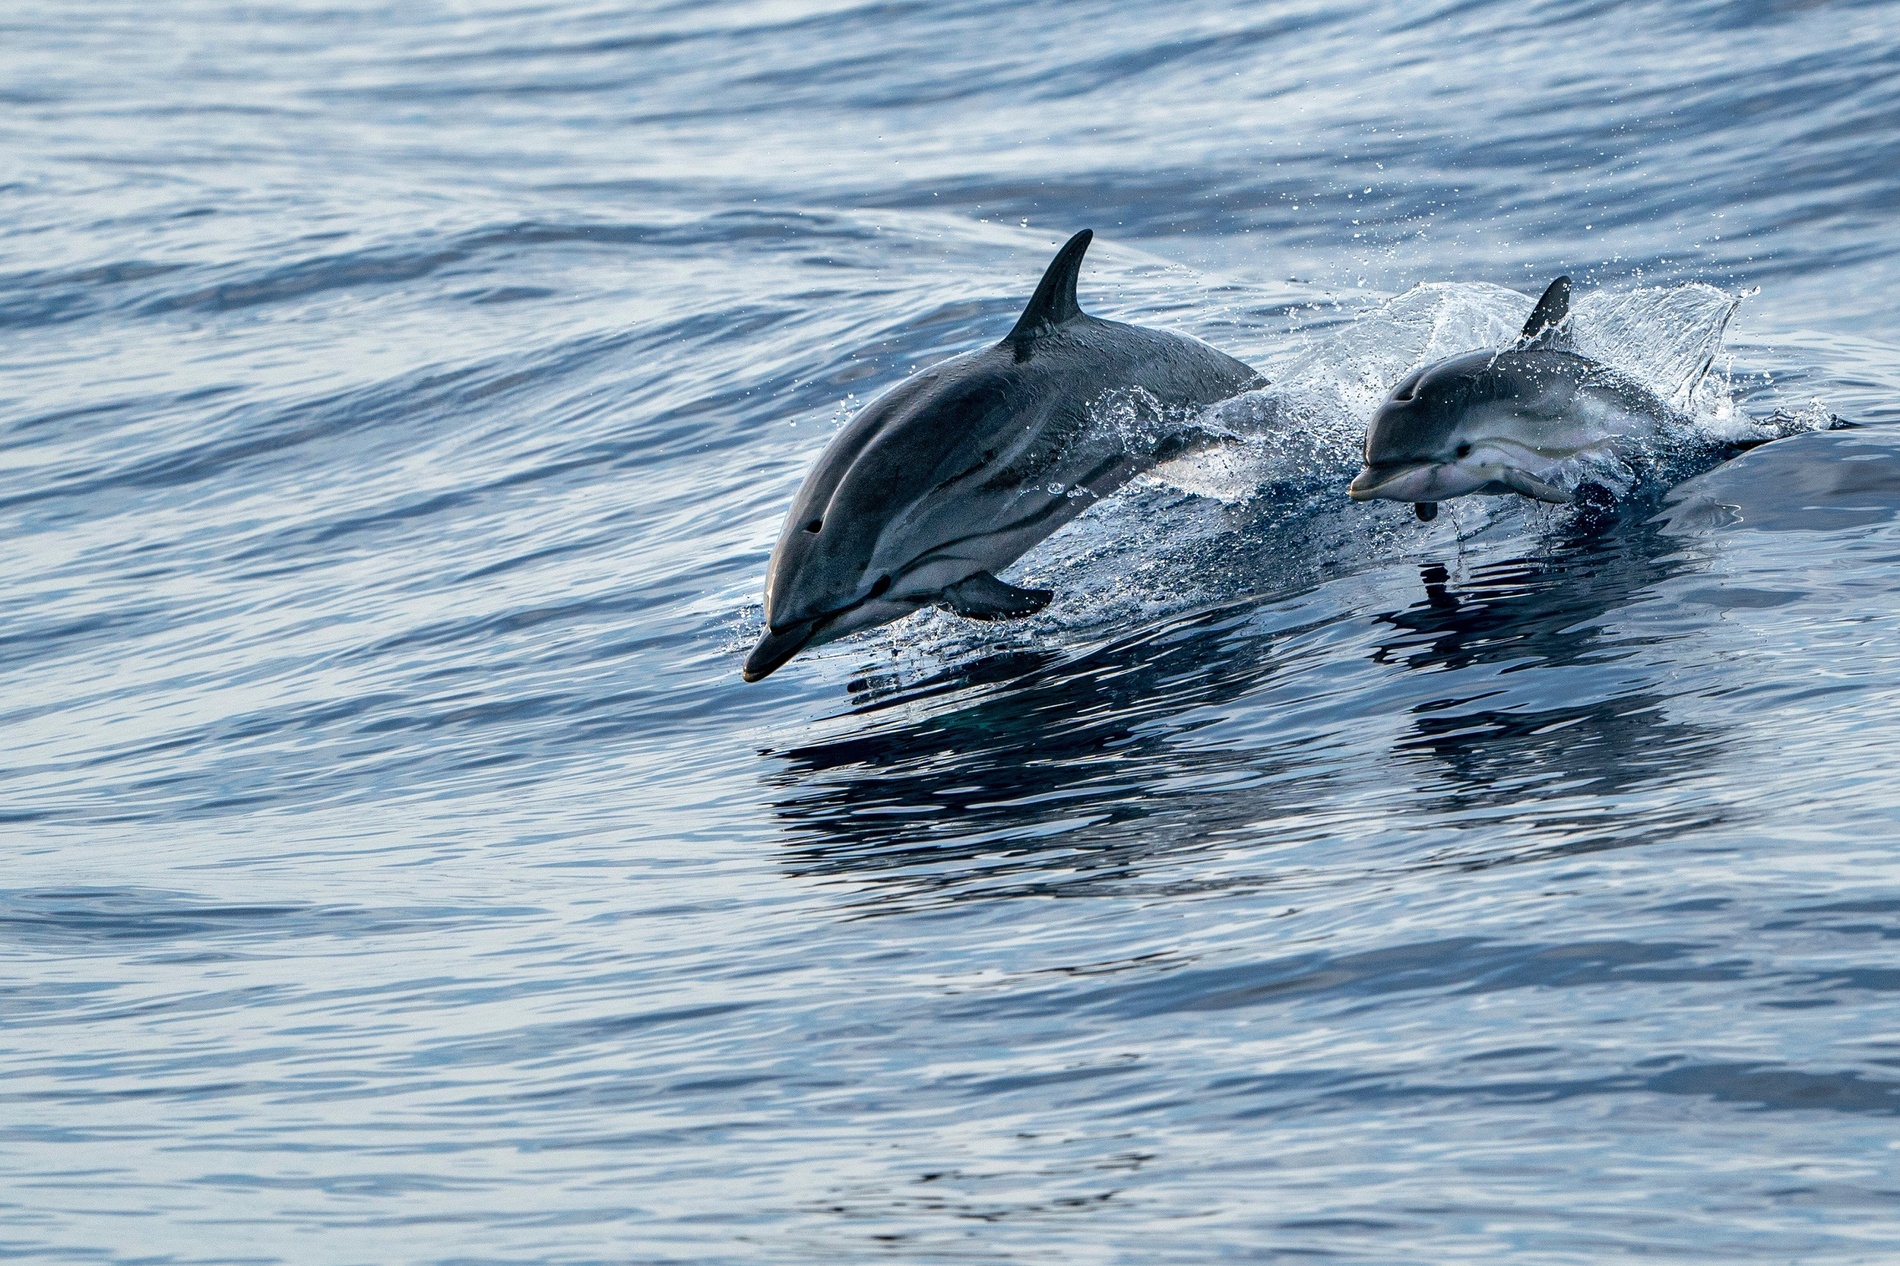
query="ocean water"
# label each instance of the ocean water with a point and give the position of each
(399, 404)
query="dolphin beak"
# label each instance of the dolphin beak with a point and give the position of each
(1371, 483)
(775, 647)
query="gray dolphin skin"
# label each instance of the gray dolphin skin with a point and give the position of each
(957, 472)
(1497, 422)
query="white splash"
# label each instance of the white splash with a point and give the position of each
(1309, 425)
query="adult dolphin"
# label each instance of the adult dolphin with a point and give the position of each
(958, 471)
(1516, 420)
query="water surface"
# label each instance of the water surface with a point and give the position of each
(399, 404)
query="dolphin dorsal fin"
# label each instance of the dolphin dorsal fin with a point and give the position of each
(1054, 300)
(1550, 313)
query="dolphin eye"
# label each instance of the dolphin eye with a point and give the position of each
(815, 526)
(883, 583)
(1462, 451)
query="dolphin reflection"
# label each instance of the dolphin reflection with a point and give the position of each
(1092, 774)
(1511, 732)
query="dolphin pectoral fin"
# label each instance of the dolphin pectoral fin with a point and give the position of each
(1535, 488)
(1192, 439)
(984, 597)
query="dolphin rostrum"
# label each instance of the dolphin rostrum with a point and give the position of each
(958, 471)
(1495, 422)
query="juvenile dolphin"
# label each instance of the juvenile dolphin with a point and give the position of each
(1495, 422)
(958, 471)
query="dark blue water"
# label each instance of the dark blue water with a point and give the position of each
(399, 403)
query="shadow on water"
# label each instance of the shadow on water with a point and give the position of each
(1519, 744)
(1065, 778)
(1071, 776)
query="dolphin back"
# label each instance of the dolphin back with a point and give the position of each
(958, 471)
